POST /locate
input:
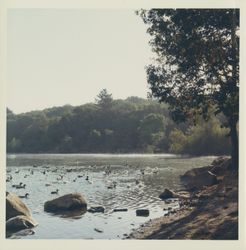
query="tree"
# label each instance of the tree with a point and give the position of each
(197, 64)
(151, 129)
(104, 99)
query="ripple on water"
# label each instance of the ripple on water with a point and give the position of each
(127, 194)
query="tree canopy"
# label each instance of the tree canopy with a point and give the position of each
(131, 125)
(197, 66)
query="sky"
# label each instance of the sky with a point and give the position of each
(57, 57)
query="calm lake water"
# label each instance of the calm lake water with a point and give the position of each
(160, 171)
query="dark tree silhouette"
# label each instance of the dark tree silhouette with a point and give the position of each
(197, 64)
(104, 99)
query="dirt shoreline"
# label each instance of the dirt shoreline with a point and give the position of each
(210, 213)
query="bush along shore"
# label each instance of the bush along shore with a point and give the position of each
(208, 207)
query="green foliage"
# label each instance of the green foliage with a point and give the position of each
(205, 138)
(104, 100)
(178, 142)
(151, 130)
(131, 125)
(197, 64)
(198, 60)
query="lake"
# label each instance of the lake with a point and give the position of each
(139, 178)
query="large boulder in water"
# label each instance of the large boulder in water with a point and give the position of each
(20, 222)
(66, 202)
(15, 206)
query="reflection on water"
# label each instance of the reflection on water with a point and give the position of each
(112, 181)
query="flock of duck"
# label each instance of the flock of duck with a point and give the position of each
(107, 170)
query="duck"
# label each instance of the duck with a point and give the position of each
(112, 185)
(9, 178)
(24, 196)
(21, 186)
(17, 185)
(142, 171)
(55, 192)
(155, 170)
(60, 178)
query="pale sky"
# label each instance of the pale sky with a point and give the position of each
(57, 57)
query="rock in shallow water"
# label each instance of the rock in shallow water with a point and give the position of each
(18, 216)
(15, 206)
(20, 222)
(98, 209)
(66, 202)
(142, 212)
(167, 194)
(120, 210)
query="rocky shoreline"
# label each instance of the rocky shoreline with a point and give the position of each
(210, 212)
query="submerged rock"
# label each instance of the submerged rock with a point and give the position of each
(142, 212)
(98, 209)
(120, 210)
(15, 206)
(98, 230)
(66, 203)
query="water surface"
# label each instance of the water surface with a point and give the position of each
(134, 190)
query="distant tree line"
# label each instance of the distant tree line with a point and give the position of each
(133, 125)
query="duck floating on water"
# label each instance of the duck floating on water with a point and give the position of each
(9, 178)
(24, 196)
(20, 185)
(55, 192)
(60, 177)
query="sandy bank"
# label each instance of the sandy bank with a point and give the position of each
(211, 213)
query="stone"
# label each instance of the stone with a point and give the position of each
(98, 209)
(200, 179)
(98, 230)
(20, 222)
(142, 212)
(218, 161)
(194, 172)
(120, 210)
(167, 194)
(66, 202)
(221, 165)
(15, 206)
(183, 195)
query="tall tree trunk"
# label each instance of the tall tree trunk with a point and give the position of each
(234, 144)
